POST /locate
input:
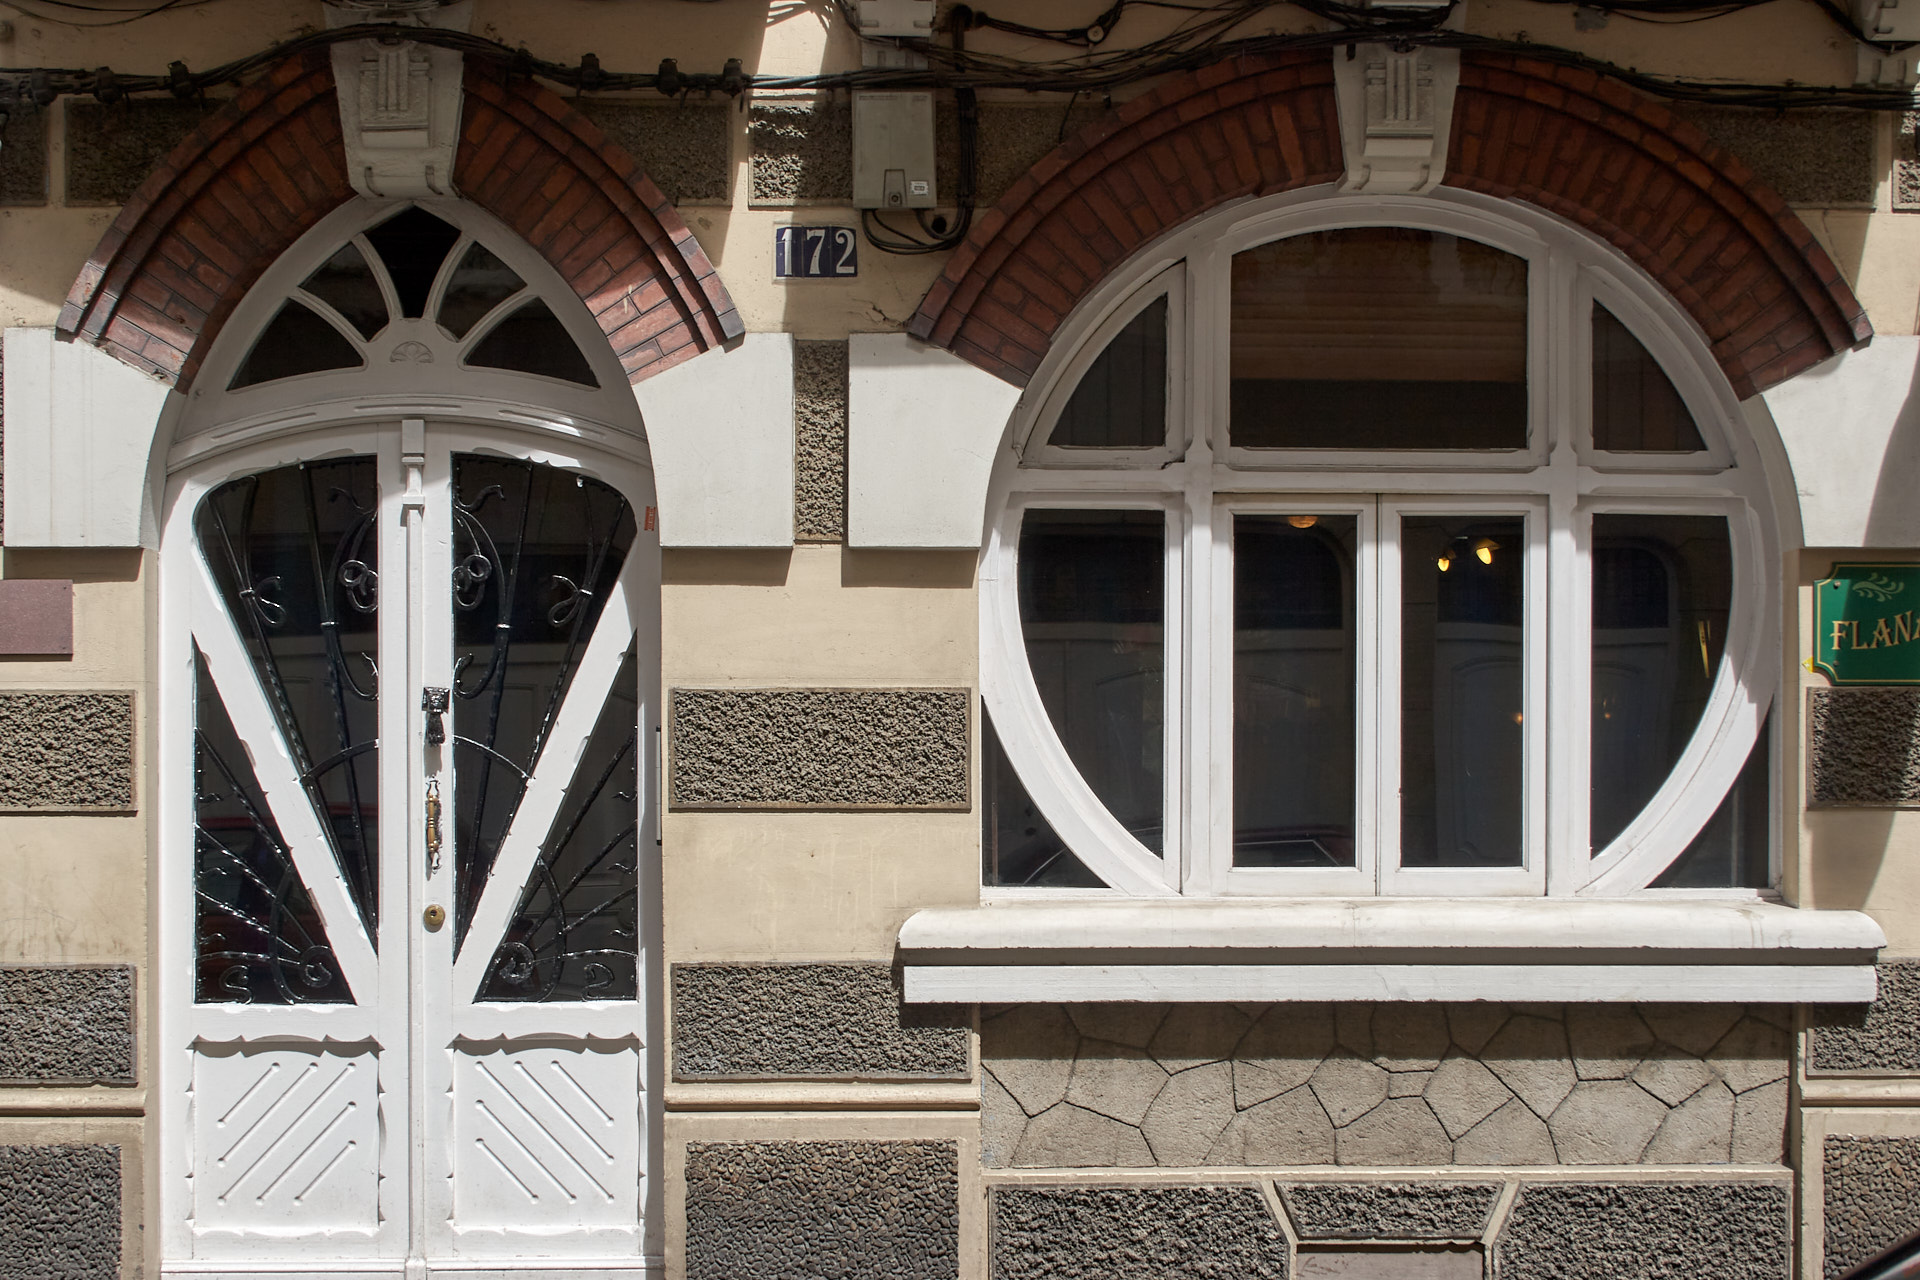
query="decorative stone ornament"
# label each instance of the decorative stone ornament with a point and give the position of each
(1396, 108)
(399, 100)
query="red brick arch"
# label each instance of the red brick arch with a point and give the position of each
(1566, 139)
(267, 166)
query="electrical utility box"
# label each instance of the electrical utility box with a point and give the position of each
(893, 151)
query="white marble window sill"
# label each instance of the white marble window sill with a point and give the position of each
(1534, 949)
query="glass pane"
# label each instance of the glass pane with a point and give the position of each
(1379, 338)
(1635, 406)
(1092, 605)
(1462, 690)
(412, 244)
(576, 933)
(295, 555)
(296, 341)
(1733, 850)
(536, 552)
(1662, 586)
(1121, 402)
(532, 340)
(1295, 683)
(259, 939)
(480, 283)
(346, 283)
(1017, 845)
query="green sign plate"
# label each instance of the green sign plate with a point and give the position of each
(1866, 624)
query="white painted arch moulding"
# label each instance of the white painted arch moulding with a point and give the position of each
(1390, 949)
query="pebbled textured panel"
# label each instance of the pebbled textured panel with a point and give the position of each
(66, 1024)
(1134, 1233)
(1646, 1231)
(1882, 1036)
(60, 1212)
(1389, 1210)
(61, 752)
(1872, 1197)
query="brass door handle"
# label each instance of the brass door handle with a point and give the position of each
(433, 826)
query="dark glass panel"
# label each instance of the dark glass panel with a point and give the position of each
(480, 283)
(1092, 606)
(412, 244)
(576, 932)
(532, 340)
(1379, 338)
(258, 938)
(1121, 402)
(346, 283)
(1462, 691)
(294, 553)
(1017, 844)
(1732, 850)
(536, 552)
(1295, 684)
(1662, 586)
(1635, 406)
(296, 341)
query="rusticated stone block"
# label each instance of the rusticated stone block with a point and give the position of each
(1371, 1086)
(66, 751)
(809, 1021)
(66, 1024)
(1389, 1210)
(1808, 157)
(820, 441)
(822, 1210)
(1872, 1199)
(1646, 1231)
(1134, 1233)
(23, 158)
(111, 149)
(820, 748)
(801, 152)
(685, 146)
(1863, 746)
(60, 1214)
(1882, 1036)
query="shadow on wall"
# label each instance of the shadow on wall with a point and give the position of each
(1893, 520)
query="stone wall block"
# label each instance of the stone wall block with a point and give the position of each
(1115, 1081)
(1608, 1040)
(1398, 1131)
(1194, 1034)
(1030, 1050)
(1292, 1129)
(820, 441)
(1753, 1054)
(1134, 1233)
(1645, 1231)
(111, 149)
(1863, 746)
(1513, 1135)
(686, 146)
(1672, 1075)
(1531, 1057)
(1872, 1197)
(1881, 1037)
(1807, 157)
(66, 1024)
(1281, 1051)
(1348, 1088)
(811, 1021)
(1463, 1092)
(1760, 1125)
(1128, 1024)
(66, 752)
(1189, 1115)
(1070, 1137)
(772, 1210)
(60, 1212)
(1698, 1131)
(820, 748)
(1605, 1122)
(1389, 1210)
(1409, 1037)
(800, 151)
(23, 158)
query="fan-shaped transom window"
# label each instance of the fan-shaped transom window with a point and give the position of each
(413, 289)
(1417, 557)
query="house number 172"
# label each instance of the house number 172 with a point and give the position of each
(815, 253)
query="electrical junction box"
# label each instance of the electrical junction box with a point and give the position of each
(893, 151)
(896, 19)
(1896, 22)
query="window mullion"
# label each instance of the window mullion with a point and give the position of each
(1380, 697)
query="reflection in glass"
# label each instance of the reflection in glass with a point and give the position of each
(258, 938)
(1017, 844)
(412, 244)
(1092, 605)
(1662, 586)
(294, 554)
(1379, 338)
(532, 340)
(296, 341)
(536, 553)
(480, 283)
(1635, 406)
(1295, 682)
(576, 932)
(346, 283)
(1121, 402)
(1733, 851)
(1462, 691)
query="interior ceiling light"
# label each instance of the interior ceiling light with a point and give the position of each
(1303, 522)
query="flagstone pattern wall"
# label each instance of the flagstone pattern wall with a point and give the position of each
(1289, 1085)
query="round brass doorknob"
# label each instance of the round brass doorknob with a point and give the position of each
(434, 916)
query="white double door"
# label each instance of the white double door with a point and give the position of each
(409, 721)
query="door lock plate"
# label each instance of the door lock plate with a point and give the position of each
(434, 916)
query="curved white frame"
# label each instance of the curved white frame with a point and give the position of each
(1558, 473)
(219, 435)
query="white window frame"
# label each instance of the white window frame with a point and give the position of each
(1558, 481)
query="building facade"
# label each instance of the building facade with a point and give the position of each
(1252, 641)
